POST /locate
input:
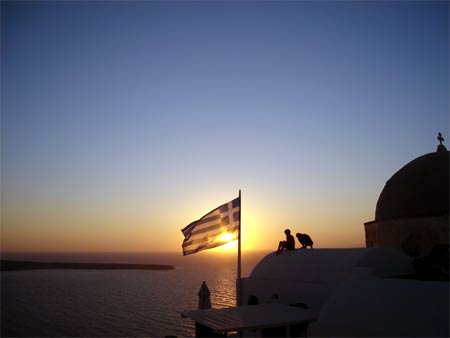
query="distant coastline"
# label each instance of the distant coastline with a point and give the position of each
(9, 265)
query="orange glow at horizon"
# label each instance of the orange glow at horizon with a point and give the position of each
(261, 229)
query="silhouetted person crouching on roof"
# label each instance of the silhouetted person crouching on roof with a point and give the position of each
(304, 240)
(288, 244)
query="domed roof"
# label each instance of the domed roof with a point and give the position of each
(419, 189)
(307, 265)
(330, 265)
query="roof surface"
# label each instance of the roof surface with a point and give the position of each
(250, 317)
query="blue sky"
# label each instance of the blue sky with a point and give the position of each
(122, 122)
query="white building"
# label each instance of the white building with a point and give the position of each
(378, 291)
(353, 292)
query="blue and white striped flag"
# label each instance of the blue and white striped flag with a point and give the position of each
(216, 228)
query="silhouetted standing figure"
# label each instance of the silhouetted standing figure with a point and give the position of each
(304, 240)
(204, 302)
(288, 244)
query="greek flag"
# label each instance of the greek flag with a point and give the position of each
(216, 228)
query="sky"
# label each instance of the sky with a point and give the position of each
(123, 122)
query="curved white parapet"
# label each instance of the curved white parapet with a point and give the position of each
(331, 264)
(307, 264)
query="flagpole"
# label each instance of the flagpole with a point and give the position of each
(238, 281)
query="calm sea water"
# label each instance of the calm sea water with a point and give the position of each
(111, 303)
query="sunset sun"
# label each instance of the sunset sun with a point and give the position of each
(231, 244)
(227, 237)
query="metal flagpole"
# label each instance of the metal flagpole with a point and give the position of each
(238, 280)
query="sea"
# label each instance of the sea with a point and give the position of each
(115, 303)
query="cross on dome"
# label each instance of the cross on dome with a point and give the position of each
(440, 138)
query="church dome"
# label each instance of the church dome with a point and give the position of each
(419, 189)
